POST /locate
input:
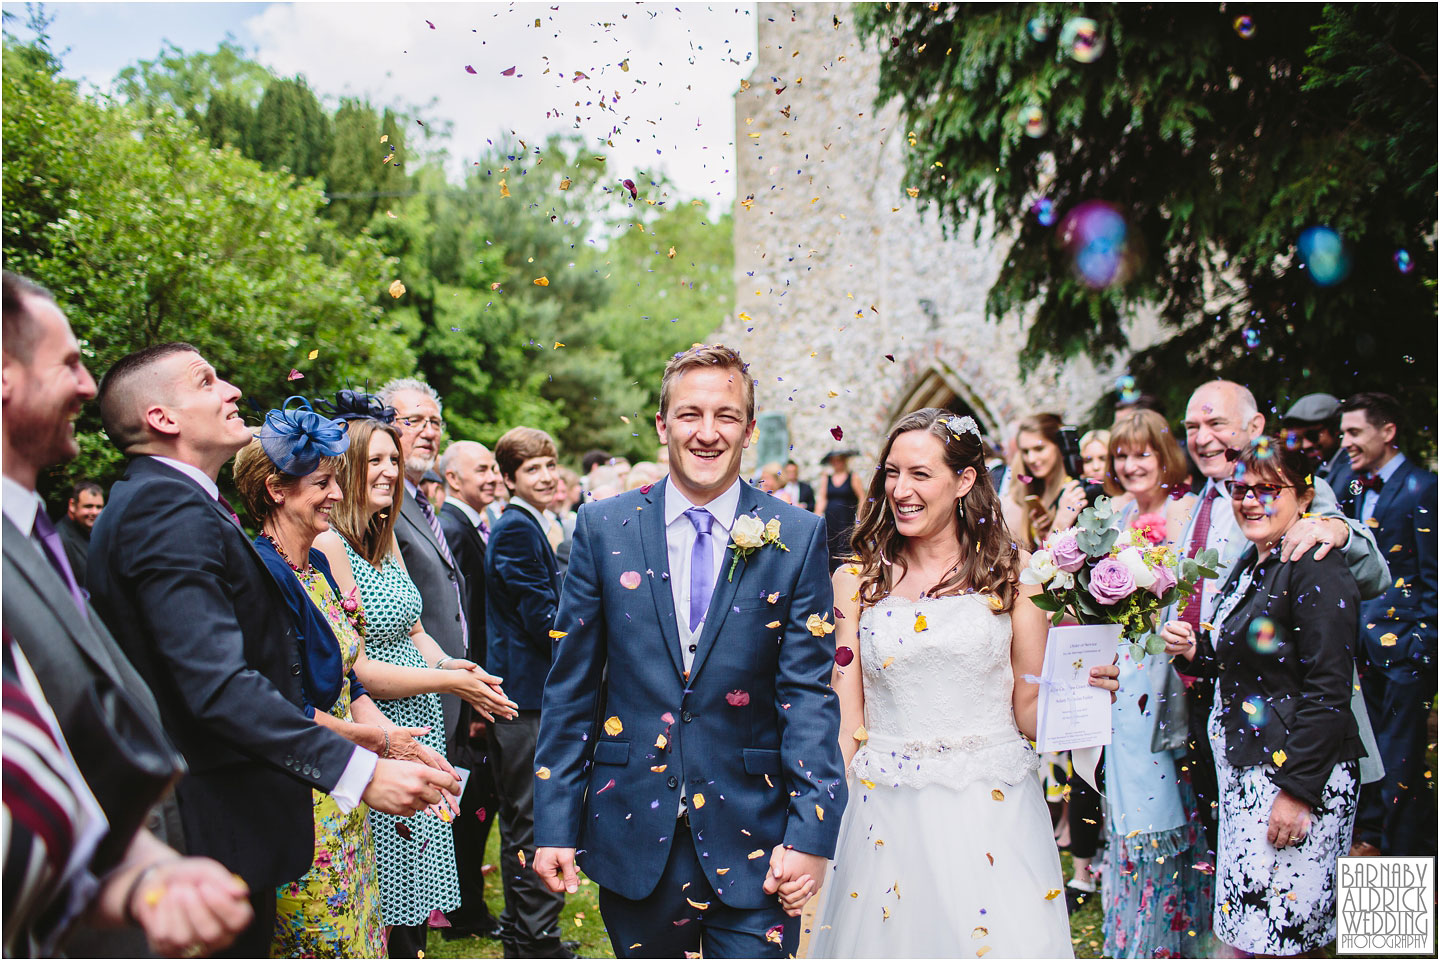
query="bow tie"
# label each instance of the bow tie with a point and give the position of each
(1372, 483)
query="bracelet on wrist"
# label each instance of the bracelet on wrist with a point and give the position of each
(441, 663)
(135, 889)
(385, 748)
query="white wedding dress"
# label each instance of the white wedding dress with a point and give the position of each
(945, 848)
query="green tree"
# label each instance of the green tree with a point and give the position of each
(187, 82)
(146, 234)
(291, 129)
(1221, 141)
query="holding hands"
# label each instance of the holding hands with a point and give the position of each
(795, 876)
(480, 690)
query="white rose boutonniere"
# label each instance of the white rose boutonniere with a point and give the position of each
(748, 535)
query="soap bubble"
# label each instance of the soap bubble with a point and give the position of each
(1255, 709)
(1325, 255)
(1125, 387)
(1082, 37)
(1032, 119)
(1098, 240)
(1403, 262)
(1044, 210)
(1261, 636)
(1039, 29)
(1245, 27)
(1252, 337)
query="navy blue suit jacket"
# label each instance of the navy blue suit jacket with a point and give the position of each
(197, 612)
(522, 591)
(1397, 628)
(751, 737)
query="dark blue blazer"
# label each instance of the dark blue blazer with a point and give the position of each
(192, 605)
(1397, 628)
(522, 591)
(751, 737)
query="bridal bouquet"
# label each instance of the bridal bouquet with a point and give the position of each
(1099, 574)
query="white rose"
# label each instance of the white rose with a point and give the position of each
(748, 532)
(1062, 581)
(1041, 569)
(1134, 562)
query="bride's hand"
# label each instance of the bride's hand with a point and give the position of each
(1106, 677)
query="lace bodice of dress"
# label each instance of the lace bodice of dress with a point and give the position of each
(938, 700)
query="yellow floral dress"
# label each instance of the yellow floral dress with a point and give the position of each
(334, 910)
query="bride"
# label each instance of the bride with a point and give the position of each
(945, 848)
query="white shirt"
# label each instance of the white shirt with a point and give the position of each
(1372, 498)
(680, 541)
(532, 510)
(20, 504)
(361, 766)
(465, 509)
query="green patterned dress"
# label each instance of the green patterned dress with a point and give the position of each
(334, 910)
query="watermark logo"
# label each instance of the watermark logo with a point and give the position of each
(1385, 906)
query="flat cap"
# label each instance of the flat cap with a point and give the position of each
(1313, 409)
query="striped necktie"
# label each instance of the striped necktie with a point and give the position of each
(439, 533)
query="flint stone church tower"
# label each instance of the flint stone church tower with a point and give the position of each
(851, 312)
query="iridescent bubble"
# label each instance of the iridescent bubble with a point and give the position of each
(1044, 210)
(1403, 262)
(1039, 29)
(1245, 27)
(1255, 710)
(1098, 240)
(1252, 337)
(1081, 36)
(1325, 255)
(1239, 474)
(1261, 636)
(1356, 487)
(1262, 448)
(1032, 119)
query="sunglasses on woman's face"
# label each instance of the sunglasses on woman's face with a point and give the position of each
(1262, 492)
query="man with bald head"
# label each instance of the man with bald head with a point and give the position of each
(471, 479)
(1221, 419)
(193, 605)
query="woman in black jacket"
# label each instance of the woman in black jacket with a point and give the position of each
(1284, 737)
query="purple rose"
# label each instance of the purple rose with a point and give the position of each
(1164, 580)
(1110, 582)
(1065, 552)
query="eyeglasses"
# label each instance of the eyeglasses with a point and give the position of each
(418, 423)
(1262, 492)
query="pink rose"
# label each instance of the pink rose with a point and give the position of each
(1111, 582)
(1164, 580)
(1151, 526)
(1065, 552)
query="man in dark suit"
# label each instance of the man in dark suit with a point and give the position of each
(522, 587)
(470, 481)
(46, 610)
(87, 500)
(177, 579)
(802, 495)
(1396, 498)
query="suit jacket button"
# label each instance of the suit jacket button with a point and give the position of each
(452, 575)
(672, 782)
(686, 716)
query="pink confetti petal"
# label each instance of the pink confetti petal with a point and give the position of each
(668, 718)
(294, 374)
(630, 580)
(429, 24)
(469, 69)
(843, 656)
(438, 919)
(737, 698)
(837, 433)
(508, 73)
(608, 785)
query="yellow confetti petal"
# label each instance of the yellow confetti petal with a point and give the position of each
(385, 138)
(565, 184)
(557, 346)
(1280, 758)
(980, 933)
(522, 857)
(997, 795)
(744, 316)
(613, 727)
(757, 853)
(773, 624)
(544, 775)
(1052, 894)
(542, 281)
(913, 191)
(920, 623)
(661, 741)
(818, 626)
(722, 871)
(504, 190)
(819, 812)
(397, 290)
(869, 784)
(671, 254)
(773, 598)
(699, 905)
(991, 857)
(879, 843)
(983, 950)
(312, 355)
(659, 768)
(886, 663)
(861, 734)
(884, 914)
(697, 801)
(556, 635)
(1388, 639)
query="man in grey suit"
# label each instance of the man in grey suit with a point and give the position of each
(48, 613)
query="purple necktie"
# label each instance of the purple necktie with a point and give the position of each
(702, 565)
(55, 551)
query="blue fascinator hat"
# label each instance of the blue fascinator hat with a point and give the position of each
(297, 439)
(357, 405)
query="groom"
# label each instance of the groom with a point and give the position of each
(689, 750)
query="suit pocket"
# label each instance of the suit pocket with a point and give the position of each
(612, 752)
(760, 761)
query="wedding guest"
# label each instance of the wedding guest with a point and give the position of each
(1315, 422)
(178, 580)
(838, 500)
(643, 473)
(1094, 447)
(772, 482)
(403, 668)
(801, 494)
(601, 483)
(1281, 728)
(1395, 496)
(1040, 488)
(567, 495)
(87, 500)
(287, 477)
(522, 586)
(592, 459)
(1154, 898)
(434, 487)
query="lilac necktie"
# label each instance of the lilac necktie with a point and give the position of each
(702, 565)
(55, 552)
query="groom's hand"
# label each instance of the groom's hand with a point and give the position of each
(557, 867)
(795, 876)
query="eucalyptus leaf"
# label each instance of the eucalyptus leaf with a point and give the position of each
(1155, 644)
(1137, 653)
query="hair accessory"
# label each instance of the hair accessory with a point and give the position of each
(357, 405)
(963, 425)
(296, 440)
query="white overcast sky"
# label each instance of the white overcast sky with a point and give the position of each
(673, 106)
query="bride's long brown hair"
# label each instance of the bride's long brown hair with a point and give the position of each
(990, 562)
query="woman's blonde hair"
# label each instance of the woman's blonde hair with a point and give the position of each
(1145, 430)
(371, 536)
(1047, 426)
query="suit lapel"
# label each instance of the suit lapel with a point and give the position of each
(1390, 491)
(657, 559)
(410, 513)
(724, 595)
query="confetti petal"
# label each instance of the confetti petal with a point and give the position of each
(630, 580)
(773, 598)
(397, 289)
(861, 734)
(1052, 894)
(543, 774)
(697, 801)
(698, 905)
(997, 795)
(508, 73)
(294, 374)
(843, 656)
(504, 188)
(613, 727)
(608, 785)
(818, 625)
(403, 829)
(1280, 758)
(737, 698)
(312, 355)
(920, 623)
(757, 853)
(469, 69)
(837, 432)
(542, 281)
(556, 635)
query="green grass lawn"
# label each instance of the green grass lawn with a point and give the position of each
(581, 921)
